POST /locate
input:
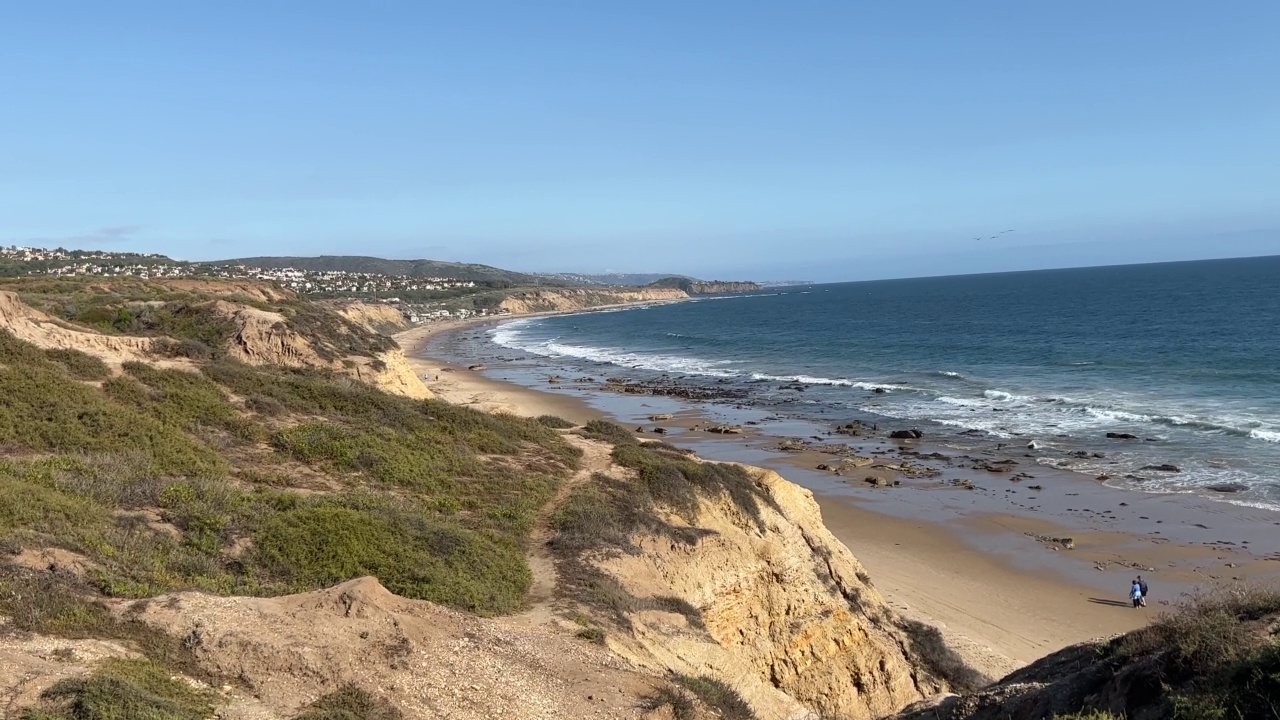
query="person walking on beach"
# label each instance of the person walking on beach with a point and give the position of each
(1135, 594)
(1142, 585)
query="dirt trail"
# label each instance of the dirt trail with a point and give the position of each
(542, 593)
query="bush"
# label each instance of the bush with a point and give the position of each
(120, 689)
(350, 703)
(181, 399)
(718, 695)
(79, 365)
(55, 604)
(411, 554)
(45, 409)
(606, 431)
(556, 423)
(1216, 654)
(682, 707)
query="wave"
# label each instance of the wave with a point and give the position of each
(950, 374)
(836, 382)
(1268, 435)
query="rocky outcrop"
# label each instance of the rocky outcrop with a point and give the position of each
(789, 618)
(525, 302)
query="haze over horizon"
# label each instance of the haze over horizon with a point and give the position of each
(808, 140)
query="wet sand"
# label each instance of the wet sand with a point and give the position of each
(976, 558)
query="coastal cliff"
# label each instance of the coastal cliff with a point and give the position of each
(727, 572)
(194, 507)
(791, 618)
(242, 332)
(525, 302)
(706, 287)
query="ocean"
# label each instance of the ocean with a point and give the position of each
(1184, 356)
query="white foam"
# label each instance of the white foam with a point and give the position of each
(1268, 435)
(838, 382)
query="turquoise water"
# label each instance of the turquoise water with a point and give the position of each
(1184, 355)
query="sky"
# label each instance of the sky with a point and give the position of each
(768, 140)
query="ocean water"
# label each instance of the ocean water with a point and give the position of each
(1184, 355)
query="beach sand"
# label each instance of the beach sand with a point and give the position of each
(1000, 596)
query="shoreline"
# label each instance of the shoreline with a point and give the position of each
(967, 565)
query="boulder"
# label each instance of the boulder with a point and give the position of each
(1166, 467)
(1227, 488)
(912, 434)
(725, 429)
(660, 430)
(1121, 436)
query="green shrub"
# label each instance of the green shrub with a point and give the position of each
(410, 553)
(1217, 656)
(556, 423)
(79, 365)
(125, 690)
(46, 410)
(350, 702)
(606, 431)
(181, 399)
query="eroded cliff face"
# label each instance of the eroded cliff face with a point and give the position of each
(261, 338)
(791, 620)
(569, 299)
(28, 324)
(377, 317)
(265, 338)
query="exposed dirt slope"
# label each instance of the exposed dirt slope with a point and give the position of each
(265, 338)
(430, 662)
(791, 620)
(31, 325)
(377, 317)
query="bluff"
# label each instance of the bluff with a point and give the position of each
(524, 302)
(706, 287)
(298, 335)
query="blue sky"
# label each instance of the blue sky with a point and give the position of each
(824, 141)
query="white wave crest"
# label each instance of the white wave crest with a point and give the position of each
(837, 382)
(1268, 435)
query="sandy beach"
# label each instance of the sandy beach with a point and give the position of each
(959, 561)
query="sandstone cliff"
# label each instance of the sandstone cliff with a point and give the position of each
(525, 302)
(377, 317)
(31, 325)
(259, 337)
(266, 338)
(747, 586)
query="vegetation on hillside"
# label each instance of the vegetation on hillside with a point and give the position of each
(197, 325)
(605, 514)
(234, 479)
